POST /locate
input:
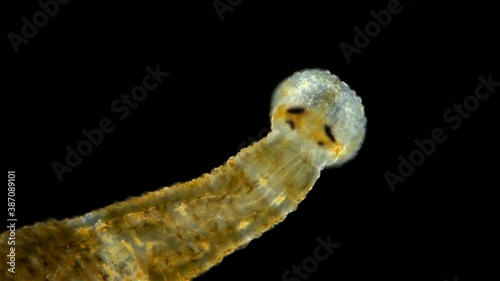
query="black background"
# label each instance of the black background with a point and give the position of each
(435, 226)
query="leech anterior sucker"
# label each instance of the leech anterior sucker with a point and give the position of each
(179, 232)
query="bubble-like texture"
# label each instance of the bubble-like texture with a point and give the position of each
(332, 101)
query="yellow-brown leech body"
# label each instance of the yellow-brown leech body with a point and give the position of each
(179, 232)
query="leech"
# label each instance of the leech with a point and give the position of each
(179, 232)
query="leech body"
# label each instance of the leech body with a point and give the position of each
(179, 232)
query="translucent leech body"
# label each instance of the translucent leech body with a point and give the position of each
(179, 232)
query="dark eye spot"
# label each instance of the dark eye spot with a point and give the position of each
(296, 110)
(329, 134)
(291, 123)
(320, 143)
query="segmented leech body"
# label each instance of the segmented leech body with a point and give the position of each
(179, 232)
